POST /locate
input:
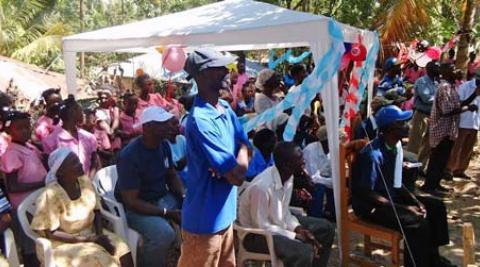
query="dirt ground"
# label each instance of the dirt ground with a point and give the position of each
(463, 207)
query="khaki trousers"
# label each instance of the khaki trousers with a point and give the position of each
(418, 141)
(462, 150)
(208, 250)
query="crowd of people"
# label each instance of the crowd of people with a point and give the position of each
(180, 161)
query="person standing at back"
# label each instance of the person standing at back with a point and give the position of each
(217, 160)
(424, 93)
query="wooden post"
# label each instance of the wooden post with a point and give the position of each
(468, 244)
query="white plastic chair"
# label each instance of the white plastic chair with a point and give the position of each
(104, 183)
(11, 253)
(244, 254)
(28, 207)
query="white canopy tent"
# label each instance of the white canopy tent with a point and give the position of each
(228, 25)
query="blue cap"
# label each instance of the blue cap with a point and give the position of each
(391, 114)
(390, 63)
(204, 58)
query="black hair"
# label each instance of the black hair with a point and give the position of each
(128, 94)
(51, 91)
(283, 153)
(66, 107)
(187, 101)
(5, 100)
(262, 137)
(14, 115)
(296, 69)
(141, 79)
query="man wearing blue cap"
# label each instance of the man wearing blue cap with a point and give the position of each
(217, 156)
(392, 78)
(377, 188)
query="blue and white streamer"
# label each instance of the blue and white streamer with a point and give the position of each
(326, 68)
(273, 63)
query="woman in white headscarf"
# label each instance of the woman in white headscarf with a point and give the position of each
(68, 214)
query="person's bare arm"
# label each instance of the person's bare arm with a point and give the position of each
(237, 175)
(175, 184)
(15, 186)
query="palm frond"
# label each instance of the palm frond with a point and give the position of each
(39, 47)
(402, 19)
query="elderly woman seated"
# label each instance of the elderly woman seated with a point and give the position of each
(68, 214)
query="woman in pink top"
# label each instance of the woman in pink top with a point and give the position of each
(22, 162)
(45, 125)
(83, 143)
(108, 115)
(172, 104)
(147, 97)
(24, 172)
(128, 119)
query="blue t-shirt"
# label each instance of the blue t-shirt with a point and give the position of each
(388, 83)
(144, 169)
(366, 176)
(257, 165)
(213, 141)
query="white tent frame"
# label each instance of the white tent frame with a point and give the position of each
(230, 26)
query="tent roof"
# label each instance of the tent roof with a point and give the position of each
(228, 25)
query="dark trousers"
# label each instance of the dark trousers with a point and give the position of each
(293, 252)
(437, 165)
(424, 235)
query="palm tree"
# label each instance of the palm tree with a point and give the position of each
(466, 34)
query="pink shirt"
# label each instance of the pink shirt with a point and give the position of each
(154, 100)
(173, 106)
(26, 161)
(44, 127)
(103, 140)
(127, 125)
(83, 147)
(4, 142)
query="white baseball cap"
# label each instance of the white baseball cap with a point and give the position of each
(150, 114)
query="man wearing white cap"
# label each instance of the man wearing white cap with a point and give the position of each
(217, 156)
(145, 168)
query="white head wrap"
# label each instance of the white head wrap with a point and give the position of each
(263, 76)
(55, 160)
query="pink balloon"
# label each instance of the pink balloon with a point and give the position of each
(434, 53)
(174, 59)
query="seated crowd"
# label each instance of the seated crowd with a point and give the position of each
(179, 163)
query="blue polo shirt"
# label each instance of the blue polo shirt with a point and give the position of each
(213, 141)
(366, 176)
(144, 169)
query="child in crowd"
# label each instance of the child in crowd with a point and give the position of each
(264, 142)
(128, 118)
(246, 102)
(187, 102)
(23, 166)
(45, 125)
(178, 147)
(94, 125)
(147, 97)
(171, 102)
(108, 119)
(83, 143)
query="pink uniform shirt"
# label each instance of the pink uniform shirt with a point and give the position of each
(154, 100)
(83, 147)
(4, 142)
(44, 127)
(27, 162)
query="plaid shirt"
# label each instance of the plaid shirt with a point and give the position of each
(446, 101)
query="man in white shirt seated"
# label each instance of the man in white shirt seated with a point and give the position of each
(303, 241)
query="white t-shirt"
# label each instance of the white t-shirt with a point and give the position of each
(468, 119)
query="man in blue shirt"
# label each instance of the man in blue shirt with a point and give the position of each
(424, 93)
(264, 142)
(376, 191)
(392, 78)
(217, 156)
(145, 168)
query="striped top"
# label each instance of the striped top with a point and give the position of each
(4, 203)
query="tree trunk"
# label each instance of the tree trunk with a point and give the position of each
(82, 54)
(466, 35)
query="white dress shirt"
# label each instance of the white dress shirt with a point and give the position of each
(468, 119)
(265, 204)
